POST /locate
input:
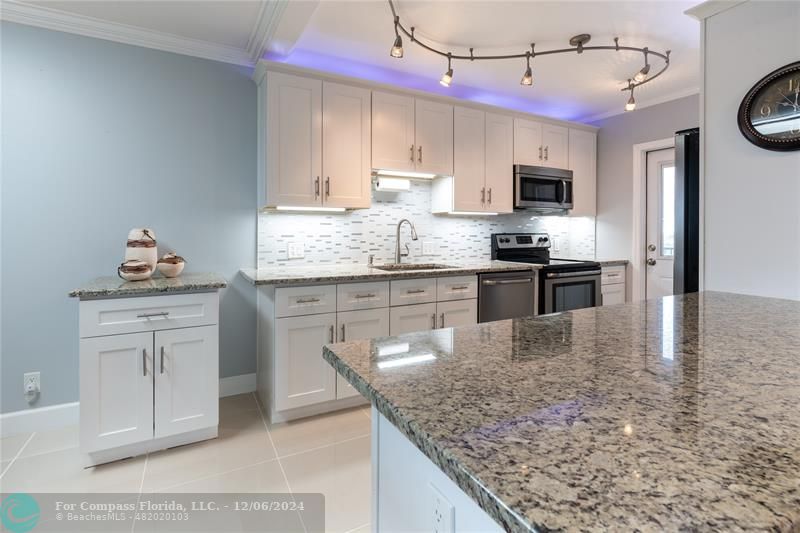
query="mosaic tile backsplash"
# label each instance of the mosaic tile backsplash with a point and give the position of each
(347, 238)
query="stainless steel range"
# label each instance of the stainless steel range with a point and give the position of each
(563, 284)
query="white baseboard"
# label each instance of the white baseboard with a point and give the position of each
(39, 419)
(68, 414)
(237, 385)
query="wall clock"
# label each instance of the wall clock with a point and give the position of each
(769, 115)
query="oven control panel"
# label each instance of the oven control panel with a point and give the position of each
(521, 240)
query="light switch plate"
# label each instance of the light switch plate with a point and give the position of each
(295, 250)
(555, 242)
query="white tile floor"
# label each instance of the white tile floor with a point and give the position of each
(328, 454)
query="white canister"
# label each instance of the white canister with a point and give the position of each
(142, 246)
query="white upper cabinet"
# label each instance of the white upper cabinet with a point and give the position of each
(392, 131)
(314, 142)
(346, 142)
(499, 163)
(555, 143)
(411, 134)
(469, 134)
(528, 149)
(583, 163)
(434, 137)
(293, 136)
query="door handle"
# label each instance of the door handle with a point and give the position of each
(162, 361)
(563, 191)
(651, 247)
(412, 153)
(490, 196)
(316, 187)
(441, 320)
(327, 186)
(331, 335)
(342, 332)
(540, 153)
(144, 362)
(651, 262)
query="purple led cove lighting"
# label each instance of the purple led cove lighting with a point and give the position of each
(345, 67)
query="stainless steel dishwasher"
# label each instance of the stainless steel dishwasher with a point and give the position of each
(503, 295)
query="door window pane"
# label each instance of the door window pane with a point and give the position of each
(667, 210)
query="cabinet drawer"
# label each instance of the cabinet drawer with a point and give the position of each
(413, 291)
(613, 274)
(297, 301)
(354, 296)
(147, 313)
(456, 288)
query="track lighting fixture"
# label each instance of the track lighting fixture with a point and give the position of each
(631, 105)
(397, 47)
(577, 44)
(447, 77)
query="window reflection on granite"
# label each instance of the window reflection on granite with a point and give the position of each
(667, 325)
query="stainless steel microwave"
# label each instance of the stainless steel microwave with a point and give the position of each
(542, 188)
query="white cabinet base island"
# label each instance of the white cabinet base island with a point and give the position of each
(646, 416)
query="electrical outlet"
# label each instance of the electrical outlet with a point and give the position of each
(295, 250)
(444, 514)
(31, 383)
(428, 248)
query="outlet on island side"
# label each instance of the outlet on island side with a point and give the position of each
(443, 513)
(31, 385)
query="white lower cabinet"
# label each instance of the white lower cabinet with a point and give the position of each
(302, 376)
(457, 313)
(613, 294)
(411, 318)
(355, 325)
(612, 284)
(152, 389)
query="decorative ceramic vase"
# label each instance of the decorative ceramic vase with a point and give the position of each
(134, 270)
(171, 265)
(142, 246)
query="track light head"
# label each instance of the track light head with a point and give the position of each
(631, 104)
(527, 77)
(447, 77)
(397, 47)
(642, 74)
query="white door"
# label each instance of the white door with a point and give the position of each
(302, 376)
(346, 142)
(187, 380)
(660, 222)
(294, 140)
(499, 163)
(555, 140)
(355, 325)
(392, 131)
(411, 318)
(457, 313)
(528, 142)
(434, 137)
(583, 164)
(116, 390)
(469, 156)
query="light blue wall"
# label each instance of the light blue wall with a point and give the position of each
(98, 138)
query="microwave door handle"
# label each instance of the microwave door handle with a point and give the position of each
(563, 191)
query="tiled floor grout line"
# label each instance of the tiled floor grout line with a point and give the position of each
(141, 487)
(167, 487)
(16, 456)
(357, 528)
(293, 454)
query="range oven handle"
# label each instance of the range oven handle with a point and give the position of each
(585, 273)
(506, 281)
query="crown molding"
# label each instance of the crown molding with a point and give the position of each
(267, 21)
(711, 8)
(53, 19)
(643, 105)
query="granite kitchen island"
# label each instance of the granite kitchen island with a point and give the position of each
(679, 413)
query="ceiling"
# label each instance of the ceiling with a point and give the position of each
(353, 37)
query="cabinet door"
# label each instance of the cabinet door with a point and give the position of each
(392, 131)
(346, 146)
(302, 376)
(411, 318)
(457, 313)
(583, 164)
(187, 380)
(613, 294)
(469, 158)
(499, 163)
(355, 325)
(434, 137)
(294, 140)
(116, 390)
(555, 140)
(527, 142)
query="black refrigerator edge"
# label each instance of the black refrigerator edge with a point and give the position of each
(687, 211)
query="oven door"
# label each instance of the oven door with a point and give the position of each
(550, 188)
(565, 291)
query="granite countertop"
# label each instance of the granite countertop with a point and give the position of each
(612, 262)
(113, 286)
(298, 275)
(675, 413)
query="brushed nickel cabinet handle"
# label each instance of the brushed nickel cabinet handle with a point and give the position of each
(342, 332)
(144, 362)
(412, 153)
(308, 301)
(483, 195)
(316, 187)
(162, 361)
(163, 314)
(540, 153)
(460, 288)
(415, 291)
(490, 196)
(327, 186)
(546, 153)
(433, 320)
(331, 335)
(419, 149)
(370, 295)
(441, 317)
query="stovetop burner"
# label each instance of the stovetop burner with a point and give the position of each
(533, 248)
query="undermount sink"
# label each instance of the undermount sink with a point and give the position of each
(409, 266)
